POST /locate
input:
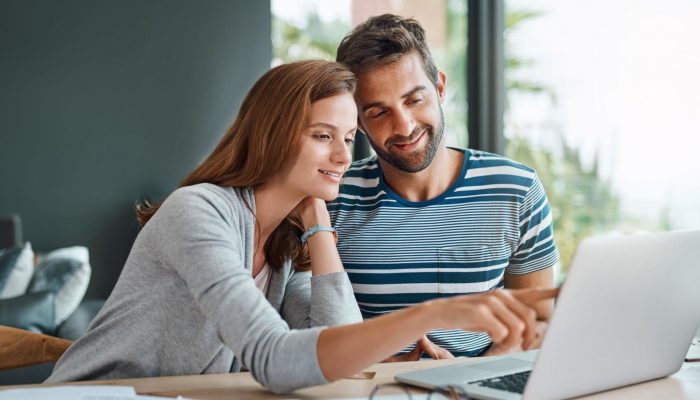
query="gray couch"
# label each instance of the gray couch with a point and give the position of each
(11, 315)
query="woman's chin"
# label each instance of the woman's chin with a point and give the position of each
(326, 195)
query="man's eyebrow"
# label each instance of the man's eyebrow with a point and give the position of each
(405, 95)
(413, 91)
(323, 125)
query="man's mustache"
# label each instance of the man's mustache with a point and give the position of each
(417, 131)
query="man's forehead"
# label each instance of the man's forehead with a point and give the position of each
(393, 79)
(408, 64)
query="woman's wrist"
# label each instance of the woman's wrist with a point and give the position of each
(316, 230)
(311, 221)
(430, 312)
(315, 213)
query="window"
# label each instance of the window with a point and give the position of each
(314, 28)
(603, 100)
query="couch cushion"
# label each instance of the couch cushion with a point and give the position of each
(77, 324)
(16, 269)
(33, 312)
(66, 273)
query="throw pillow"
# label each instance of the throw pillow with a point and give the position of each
(16, 269)
(66, 273)
(33, 312)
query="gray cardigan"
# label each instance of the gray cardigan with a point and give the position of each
(185, 303)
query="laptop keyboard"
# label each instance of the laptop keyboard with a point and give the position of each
(514, 383)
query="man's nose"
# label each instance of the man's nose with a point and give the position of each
(403, 122)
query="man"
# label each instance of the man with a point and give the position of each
(420, 220)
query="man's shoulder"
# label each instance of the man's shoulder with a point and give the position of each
(362, 173)
(495, 163)
(370, 163)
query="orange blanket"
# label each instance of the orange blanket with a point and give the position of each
(20, 348)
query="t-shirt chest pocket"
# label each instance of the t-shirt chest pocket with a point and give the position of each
(463, 270)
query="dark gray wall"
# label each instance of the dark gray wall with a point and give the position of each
(103, 102)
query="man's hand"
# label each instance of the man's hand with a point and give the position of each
(502, 348)
(540, 328)
(424, 345)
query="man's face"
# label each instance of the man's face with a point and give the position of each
(400, 111)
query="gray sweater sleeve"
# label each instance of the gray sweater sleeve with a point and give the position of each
(203, 242)
(322, 300)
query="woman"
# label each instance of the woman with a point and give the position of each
(209, 285)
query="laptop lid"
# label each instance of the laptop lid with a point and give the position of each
(626, 314)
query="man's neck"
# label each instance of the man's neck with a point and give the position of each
(429, 183)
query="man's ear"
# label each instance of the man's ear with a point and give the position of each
(440, 86)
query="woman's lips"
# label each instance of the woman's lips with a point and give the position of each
(334, 176)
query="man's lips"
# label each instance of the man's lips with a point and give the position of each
(406, 144)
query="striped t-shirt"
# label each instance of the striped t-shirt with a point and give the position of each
(495, 218)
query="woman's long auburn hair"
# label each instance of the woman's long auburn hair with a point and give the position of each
(264, 137)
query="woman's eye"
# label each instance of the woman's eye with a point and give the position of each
(322, 136)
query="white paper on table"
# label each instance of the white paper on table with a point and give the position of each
(97, 392)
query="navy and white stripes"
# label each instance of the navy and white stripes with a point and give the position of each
(494, 219)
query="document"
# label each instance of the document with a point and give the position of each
(97, 392)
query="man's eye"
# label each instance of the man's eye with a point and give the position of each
(416, 100)
(349, 141)
(377, 114)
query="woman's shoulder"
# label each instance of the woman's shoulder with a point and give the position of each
(207, 198)
(210, 192)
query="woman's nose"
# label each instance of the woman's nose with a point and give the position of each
(341, 153)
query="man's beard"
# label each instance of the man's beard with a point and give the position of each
(415, 161)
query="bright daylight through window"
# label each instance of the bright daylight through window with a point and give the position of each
(602, 98)
(314, 28)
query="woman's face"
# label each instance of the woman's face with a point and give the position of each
(324, 150)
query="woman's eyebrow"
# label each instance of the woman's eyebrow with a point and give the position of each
(323, 125)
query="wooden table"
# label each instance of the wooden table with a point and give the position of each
(683, 385)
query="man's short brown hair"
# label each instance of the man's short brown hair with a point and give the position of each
(382, 40)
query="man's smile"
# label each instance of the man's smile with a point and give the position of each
(412, 144)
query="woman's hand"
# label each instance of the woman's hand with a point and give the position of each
(324, 254)
(312, 211)
(506, 315)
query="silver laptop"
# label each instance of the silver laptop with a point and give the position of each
(693, 354)
(626, 314)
